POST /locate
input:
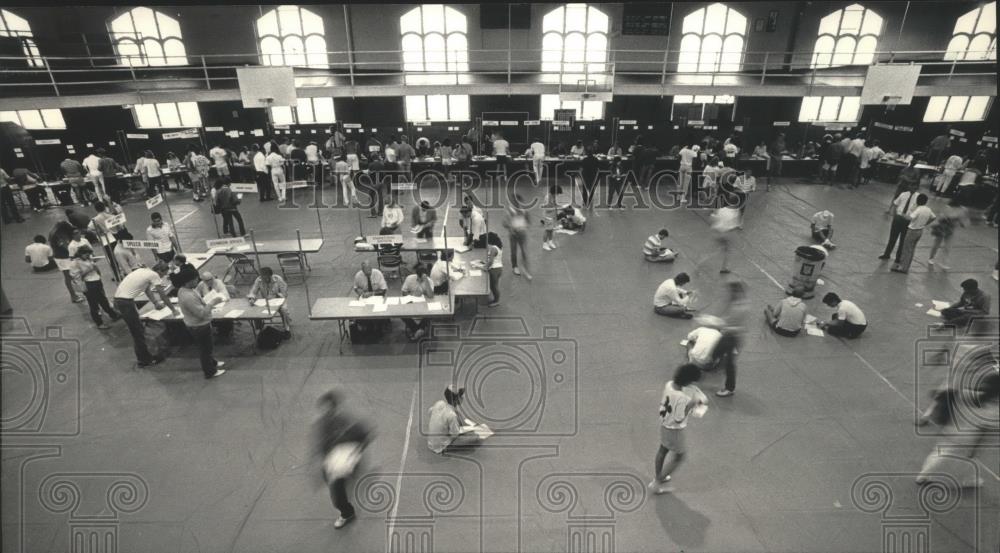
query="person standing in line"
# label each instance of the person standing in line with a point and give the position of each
(687, 155)
(494, 264)
(92, 163)
(342, 170)
(516, 222)
(74, 172)
(39, 255)
(153, 174)
(943, 229)
(109, 170)
(903, 206)
(681, 399)
(725, 220)
(848, 322)
(126, 259)
(219, 162)
(227, 203)
(920, 217)
(776, 150)
(648, 157)
(262, 176)
(937, 148)
(276, 162)
(853, 160)
(590, 171)
(59, 238)
(197, 316)
(909, 178)
(136, 283)
(85, 269)
(137, 169)
(422, 219)
(501, 149)
(339, 440)
(202, 168)
(404, 156)
(869, 156)
(78, 241)
(536, 151)
(376, 174)
(163, 234)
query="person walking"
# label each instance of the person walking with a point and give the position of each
(197, 316)
(517, 232)
(339, 440)
(85, 269)
(920, 217)
(732, 328)
(943, 229)
(59, 239)
(227, 203)
(153, 174)
(681, 399)
(138, 282)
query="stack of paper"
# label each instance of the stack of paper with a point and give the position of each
(461, 249)
(933, 312)
(434, 306)
(411, 299)
(814, 330)
(211, 295)
(356, 303)
(274, 304)
(810, 319)
(940, 305)
(456, 275)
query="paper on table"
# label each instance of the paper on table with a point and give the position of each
(411, 299)
(461, 249)
(373, 300)
(392, 301)
(379, 308)
(456, 275)
(275, 303)
(810, 319)
(434, 306)
(356, 303)
(234, 313)
(939, 305)
(159, 314)
(475, 272)
(814, 331)
(933, 312)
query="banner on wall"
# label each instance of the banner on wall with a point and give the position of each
(992, 139)
(213, 129)
(352, 125)
(782, 123)
(48, 141)
(508, 123)
(956, 132)
(628, 122)
(186, 133)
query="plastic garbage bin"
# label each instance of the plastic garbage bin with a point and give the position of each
(809, 263)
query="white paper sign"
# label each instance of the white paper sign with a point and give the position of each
(154, 201)
(532, 123)
(141, 244)
(213, 129)
(138, 136)
(48, 141)
(244, 187)
(224, 243)
(385, 239)
(115, 220)
(258, 132)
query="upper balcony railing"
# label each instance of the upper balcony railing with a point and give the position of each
(68, 75)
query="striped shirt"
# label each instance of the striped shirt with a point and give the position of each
(653, 245)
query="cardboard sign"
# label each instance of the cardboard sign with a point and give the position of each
(137, 136)
(385, 239)
(223, 243)
(990, 139)
(48, 141)
(115, 221)
(558, 123)
(141, 244)
(154, 201)
(244, 187)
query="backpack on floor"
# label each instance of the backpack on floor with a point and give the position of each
(269, 338)
(367, 332)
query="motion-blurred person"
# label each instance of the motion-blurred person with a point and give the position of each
(339, 440)
(943, 230)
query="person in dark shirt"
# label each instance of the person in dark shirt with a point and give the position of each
(227, 204)
(973, 303)
(589, 172)
(376, 171)
(59, 239)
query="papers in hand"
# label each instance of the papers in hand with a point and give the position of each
(274, 304)
(481, 430)
(211, 295)
(342, 460)
(684, 343)
(699, 410)
(939, 305)
(414, 230)
(457, 275)
(159, 314)
(933, 312)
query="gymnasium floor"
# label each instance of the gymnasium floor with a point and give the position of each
(226, 462)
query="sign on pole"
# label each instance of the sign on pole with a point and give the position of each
(154, 201)
(384, 239)
(244, 187)
(141, 244)
(225, 243)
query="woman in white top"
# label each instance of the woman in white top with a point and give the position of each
(276, 163)
(920, 217)
(681, 399)
(392, 216)
(537, 154)
(84, 268)
(494, 264)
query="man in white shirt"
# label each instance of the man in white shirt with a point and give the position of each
(440, 272)
(701, 344)
(681, 399)
(848, 322)
(39, 255)
(920, 217)
(822, 228)
(445, 427)
(501, 149)
(687, 156)
(853, 157)
(265, 191)
(474, 225)
(152, 173)
(369, 282)
(417, 284)
(218, 155)
(92, 164)
(392, 216)
(537, 154)
(312, 153)
(135, 284)
(902, 206)
(276, 162)
(868, 158)
(164, 235)
(77, 241)
(671, 300)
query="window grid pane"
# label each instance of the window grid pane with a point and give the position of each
(190, 116)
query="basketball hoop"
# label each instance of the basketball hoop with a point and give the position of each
(890, 102)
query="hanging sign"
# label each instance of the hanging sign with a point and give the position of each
(138, 136)
(352, 125)
(956, 132)
(115, 220)
(186, 133)
(533, 123)
(385, 239)
(903, 128)
(213, 129)
(882, 126)
(782, 123)
(508, 123)
(47, 141)
(258, 132)
(628, 122)
(696, 123)
(990, 139)
(244, 187)
(491, 123)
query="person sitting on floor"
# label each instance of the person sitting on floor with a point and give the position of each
(417, 284)
(571, 218)
(973, 303)
(369, 282)
(39, 255)
(269, 286)
(446, 427)
(822, 228)
(701, 347)
(787, 318)
(671, 300)
(848, 322)
(654, 250)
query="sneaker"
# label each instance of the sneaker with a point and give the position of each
(527, 275)
(930, 261)
(217, 373)
(493, 304)
(517, 271)
(546, 246)
(724, 393)
(341, 522)
(553, 245)
(219, 364)
(103, 326)
(79, 299)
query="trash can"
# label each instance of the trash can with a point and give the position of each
(809, 262)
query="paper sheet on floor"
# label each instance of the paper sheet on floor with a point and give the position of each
(159, 314)
(814, 331)
(481, 430)
(234, 313)
(275, 303)
(810, 319)
(356, 303)
(933, 312)
(380, 308)
(434, 306)
(684, 343)
(940, 305)
(565, 231)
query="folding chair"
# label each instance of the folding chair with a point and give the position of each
(390, 262)
(291, 264)
(241, 266)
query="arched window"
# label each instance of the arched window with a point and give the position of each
(975, 35)
(290, 35)
(435, 52)
(18, 27)
(146, 37)
(847, 37)
(575, 50)
(712, 40)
